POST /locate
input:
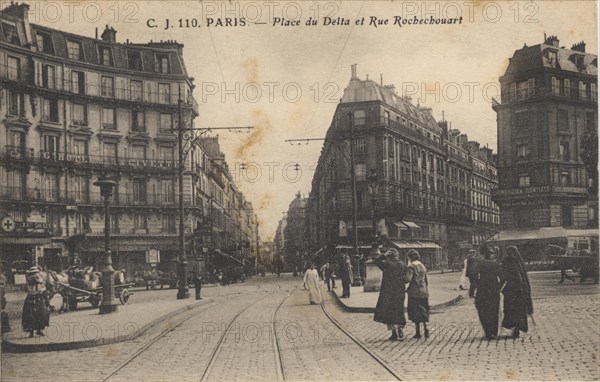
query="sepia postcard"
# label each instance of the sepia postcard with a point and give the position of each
(299, 190)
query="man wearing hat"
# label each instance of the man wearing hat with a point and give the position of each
(36, 315)
(346, 274)
(390, 304)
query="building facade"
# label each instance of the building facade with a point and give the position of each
(412, 175)
(75, 109)
(294, 248)
(547, 113)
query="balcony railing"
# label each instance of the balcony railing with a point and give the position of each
(395, 125)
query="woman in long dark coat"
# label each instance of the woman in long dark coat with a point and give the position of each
(36, 314)
(418, 294)
(487, 292)
(390, 305)
(516, 291)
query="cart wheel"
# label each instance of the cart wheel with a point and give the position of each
(72, 303)
(95, 301)
(124, 296)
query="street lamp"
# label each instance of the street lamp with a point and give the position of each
(108, 304)
(373, 273)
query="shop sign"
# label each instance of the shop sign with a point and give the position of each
(152, 256)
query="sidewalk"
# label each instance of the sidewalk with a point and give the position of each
(86, 328)
(443, 291)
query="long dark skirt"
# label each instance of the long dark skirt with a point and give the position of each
(390, 310)
(418, 309)
(515, 311)
(36, 315)
(488, 305)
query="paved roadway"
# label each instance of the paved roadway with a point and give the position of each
(249, 317)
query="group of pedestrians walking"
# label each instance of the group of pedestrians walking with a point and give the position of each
(390, 304)
(509, 278)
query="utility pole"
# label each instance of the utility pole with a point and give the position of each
(357, 279)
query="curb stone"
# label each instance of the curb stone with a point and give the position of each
(12, 347)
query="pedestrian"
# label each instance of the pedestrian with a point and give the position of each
(418, 294)
(328, 275)
(390, 304)
(36, 314)
(471, 271)
(487, 292)
(197, 280)
(311, 283)
(517, 292)
(345, 274)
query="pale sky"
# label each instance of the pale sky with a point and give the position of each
(451, 68)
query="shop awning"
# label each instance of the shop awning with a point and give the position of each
(410, 224)
(400, 225)
(351, 247)
(228, 256)
(404, 244)
(544, 233)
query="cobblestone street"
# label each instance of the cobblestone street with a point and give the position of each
(304, 344)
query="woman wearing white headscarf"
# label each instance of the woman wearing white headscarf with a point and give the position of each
(311, 283)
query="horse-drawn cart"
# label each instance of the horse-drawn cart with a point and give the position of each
(92, 293)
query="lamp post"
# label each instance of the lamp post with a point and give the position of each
(108, 304)
(183, 290)
(373, 273)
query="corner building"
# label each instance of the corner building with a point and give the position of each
(548, 110)
(75, 109)
(433, 186)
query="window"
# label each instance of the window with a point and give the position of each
(51, 146)
(77, 82)
(566, 216)
(138, 152)
(593, 92)
(563, 119)
(14, 68)
(16, 104)
(360, 117)
(583, 90)
(137, 120)
(108, 119)
(50, 110)
(16, 140)
(564, 151)
(135, 90)
(166, 123)
(108, 87)
(524, 180)
(44, 42)
(79, 114)
(79, 188)
(166, 153)
(565, 178)
(105, 56)
(168, 223)
(140, 221)
(139, 191)
(48, 76)
(164, 93)
(162, 63)
(114, 222)
(512, 94)
(167, 190)
(74, 49)
(386, 116)
(134, 59)
(109, 151)
(79, 147)
(361, 171)
(590, 121)
(522, 150)
(10, 33)
(522, 121)
(50, 187)
(359, 146)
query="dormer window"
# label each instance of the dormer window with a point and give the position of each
(134, 59)
(10, 33)
(44, 42)
(74, 49)
(105, 56)
(162, 63)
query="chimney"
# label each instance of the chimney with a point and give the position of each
(109, 34)
(552, 40)
(17, 10)
(580, 47)
(353, 69)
